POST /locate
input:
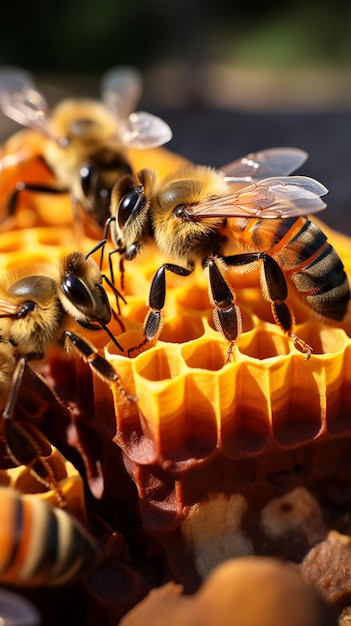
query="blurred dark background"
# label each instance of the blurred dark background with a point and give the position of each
(229, 78)
(89, 35)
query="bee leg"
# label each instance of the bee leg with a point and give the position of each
(121, 267)
(98, 363)
(276, 289)
(129, 255)
(226, 315)
(110, 281)
(105, 236)
(20, 445)
(117, 293)
(157, 296)
(101, 246)
(118, 297)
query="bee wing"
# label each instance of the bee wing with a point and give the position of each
(21, 101)
(265, 163)
(144, 130)
(121, 89)
(282, 197)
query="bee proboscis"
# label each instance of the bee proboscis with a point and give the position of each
(254, 204)
(78, 147)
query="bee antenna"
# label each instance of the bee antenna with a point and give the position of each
(112, 337)
(99, 245)
(106, 231)
(115, 291)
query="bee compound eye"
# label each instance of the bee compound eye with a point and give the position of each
(26, 308)
(182, 212)
(130, 205)
(85, 176)
(179, 210)
(76, 291)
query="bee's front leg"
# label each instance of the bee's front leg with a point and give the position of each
(91, 355)
(96, 361)
(157, 296)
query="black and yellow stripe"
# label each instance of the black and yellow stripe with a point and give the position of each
(40, 545)
(308, 260)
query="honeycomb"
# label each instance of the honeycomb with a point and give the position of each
(70, 483)
(199, 451)
(209, 443)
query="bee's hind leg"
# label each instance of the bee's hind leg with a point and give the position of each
(275, 290)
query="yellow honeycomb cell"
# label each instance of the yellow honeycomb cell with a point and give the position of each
(69, 481)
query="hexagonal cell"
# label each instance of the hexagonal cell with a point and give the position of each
(206, 353)
(36, 238)
(159, 363)
(323, 338)
(69, 480)
(252, 300)
(264, 342)
(135, 310)
(296, 405)
(192, 292)
(336, 380)
(245, 428)
(36, 245)
(137, 277)
(181, 328)
(176, 414)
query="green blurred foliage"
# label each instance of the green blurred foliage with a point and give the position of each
(92, 35)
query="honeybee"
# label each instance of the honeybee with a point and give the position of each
(41, 545)
(39, 309)
(80, 147)
(196, 213)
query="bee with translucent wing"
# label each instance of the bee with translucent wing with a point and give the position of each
(79, 147)
(39, 308)
(194, 213)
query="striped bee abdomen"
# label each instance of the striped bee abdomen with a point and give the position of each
(40, 545)
(313, 266)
